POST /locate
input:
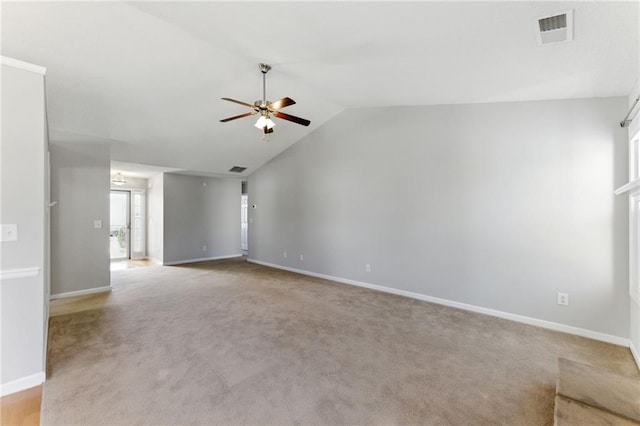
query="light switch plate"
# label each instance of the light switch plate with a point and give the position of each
(9, 232)
(563, 299)
(97, 224)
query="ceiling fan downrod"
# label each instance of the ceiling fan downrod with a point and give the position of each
(264, 68)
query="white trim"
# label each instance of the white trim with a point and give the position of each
(634, 214)
(154, 260)
(22, 383)
(202, 259)
(88, 291)
(467, 307)
(12, 274)
(5, 60)
(636, 355)
(627, 187)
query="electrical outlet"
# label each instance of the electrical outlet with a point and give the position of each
(563, 299)
(367, 268)
(97, 224)
(204, 248)
(9, 232)
(302, 257)
(284, 254)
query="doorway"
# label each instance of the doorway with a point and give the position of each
(119, 225)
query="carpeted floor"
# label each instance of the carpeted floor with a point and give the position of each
(230, 342)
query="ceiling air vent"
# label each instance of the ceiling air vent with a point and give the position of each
(237, 169)
(554, 29)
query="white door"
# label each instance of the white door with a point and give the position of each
(137, 224)
(119, 225)
(244, 222)
(47, 251)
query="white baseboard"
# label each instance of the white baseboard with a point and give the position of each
(22, 383)
(620, 341)
(202, 259)
(154, 260)
(86, 292)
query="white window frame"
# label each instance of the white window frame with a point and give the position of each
(634, 245)
(634, 166)
(634, 217)
(634, 153)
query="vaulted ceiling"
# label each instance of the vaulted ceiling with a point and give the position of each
(148, 76)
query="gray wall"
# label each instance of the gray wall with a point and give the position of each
(22, 202)
(155, 218)
(80, 177)
(495, 205)
(200, 211)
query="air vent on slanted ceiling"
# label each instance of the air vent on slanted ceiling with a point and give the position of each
(237, 169)
(553, 29)
(553, 23)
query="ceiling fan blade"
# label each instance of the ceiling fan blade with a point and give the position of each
(239, 102)
(284, 102)
(246, 114)
(293, 118)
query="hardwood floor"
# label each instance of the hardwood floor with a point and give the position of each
(21, 408)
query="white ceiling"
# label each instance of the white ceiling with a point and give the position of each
(148, 76)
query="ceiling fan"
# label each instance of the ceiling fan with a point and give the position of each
(266, 108)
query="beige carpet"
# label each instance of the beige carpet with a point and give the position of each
(231, 342)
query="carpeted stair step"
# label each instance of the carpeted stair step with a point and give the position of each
(590, 395)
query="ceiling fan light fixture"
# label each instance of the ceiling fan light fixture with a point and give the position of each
(265, 122)
(270, 124)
